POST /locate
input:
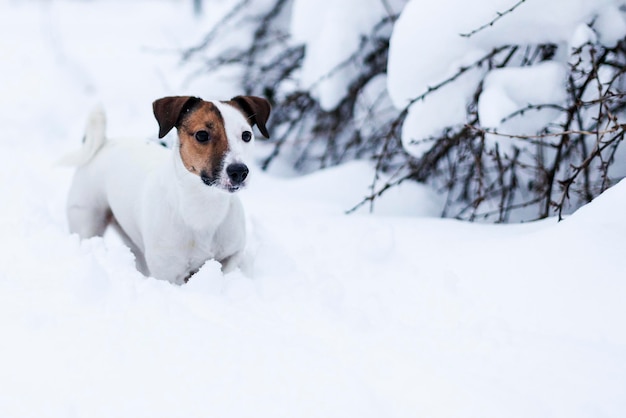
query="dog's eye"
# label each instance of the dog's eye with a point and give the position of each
(246, 136)
(202, 136)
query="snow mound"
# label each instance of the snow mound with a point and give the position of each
(606, 208)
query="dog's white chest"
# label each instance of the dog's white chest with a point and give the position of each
(189, 236)
(198, 250)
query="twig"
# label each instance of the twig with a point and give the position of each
(458, 74)
(393, 16)
(566, 184)
(499, 15)
(378, 193)
(615, 128)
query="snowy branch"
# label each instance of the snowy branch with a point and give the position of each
(483, 131)
(499, 15)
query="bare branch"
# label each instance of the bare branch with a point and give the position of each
(499, 15)
(613, 129)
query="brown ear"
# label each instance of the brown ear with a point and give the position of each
(168, 110)
(256, 109)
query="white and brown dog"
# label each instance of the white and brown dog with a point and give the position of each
(174, 209)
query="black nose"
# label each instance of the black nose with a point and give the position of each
(237, 173)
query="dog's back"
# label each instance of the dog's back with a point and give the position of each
(107, 178)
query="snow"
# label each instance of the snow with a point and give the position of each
(394, 314)
(332, 32)
(611, 25)
(446, 107)
(506, 90)
(582, 34)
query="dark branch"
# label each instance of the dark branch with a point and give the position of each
(499, 15)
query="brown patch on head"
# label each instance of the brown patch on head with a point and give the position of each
(169, 110)
(203, 153)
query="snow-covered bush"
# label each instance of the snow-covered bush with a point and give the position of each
(514, 109)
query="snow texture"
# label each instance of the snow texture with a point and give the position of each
(391, 314)
(507, 90)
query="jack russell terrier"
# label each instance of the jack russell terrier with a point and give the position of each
(175, 208)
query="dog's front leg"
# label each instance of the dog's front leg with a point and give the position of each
(230, 263)
(168, 267)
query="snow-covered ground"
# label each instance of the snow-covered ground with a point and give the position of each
(396, 314)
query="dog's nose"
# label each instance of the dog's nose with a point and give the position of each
(237, 172)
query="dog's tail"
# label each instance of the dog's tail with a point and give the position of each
(95, 137)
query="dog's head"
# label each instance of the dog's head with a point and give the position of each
(215, 138)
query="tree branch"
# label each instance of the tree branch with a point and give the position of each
(499, 15)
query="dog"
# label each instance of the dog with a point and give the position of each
(175, 208)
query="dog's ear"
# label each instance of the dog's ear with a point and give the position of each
(256, 109)
(168, 111)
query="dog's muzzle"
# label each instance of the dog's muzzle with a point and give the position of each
(237, 173)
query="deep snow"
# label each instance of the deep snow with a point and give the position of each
(396, 314)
